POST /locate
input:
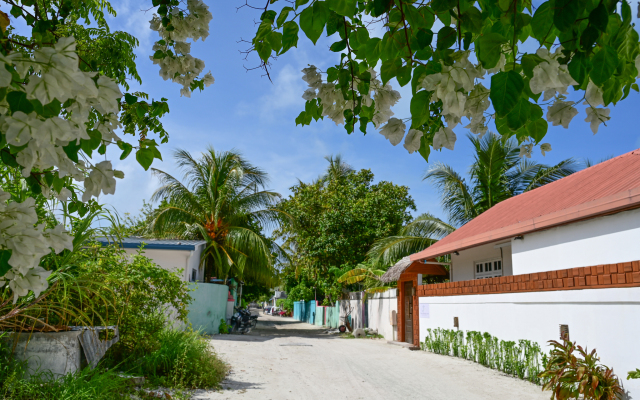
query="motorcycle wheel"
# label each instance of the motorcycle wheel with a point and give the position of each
(342, 328)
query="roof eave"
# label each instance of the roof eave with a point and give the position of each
(622, 201)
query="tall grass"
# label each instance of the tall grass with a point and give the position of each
(184, 360)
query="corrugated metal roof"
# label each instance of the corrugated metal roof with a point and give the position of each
(158, 244)
(610, 186)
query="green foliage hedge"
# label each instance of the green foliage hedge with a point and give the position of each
(521, 359)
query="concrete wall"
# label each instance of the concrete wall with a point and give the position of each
(605, 240)
(379, 308)
(179, 261)
(209, 306)
(604, 319)
(463, 265)
(59, 353)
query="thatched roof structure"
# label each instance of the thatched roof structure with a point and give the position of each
(393, 273)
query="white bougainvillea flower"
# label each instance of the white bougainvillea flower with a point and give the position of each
(444, 137)
(597, 116)
(35, 280)
(412, 141)
(561, 113)
(525, 150)
(593, 95)
(478, 126)
(544, 148)
(309, 94)
(312, 77)
(394, 130)
(453, 104)
(64, 194)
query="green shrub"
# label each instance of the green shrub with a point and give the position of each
(184, 360)
(144, 296)
(224, 327)
(521, 359)
(634, 374)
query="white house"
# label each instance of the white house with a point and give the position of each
(567, 253)
(279, 294)
(172, 255)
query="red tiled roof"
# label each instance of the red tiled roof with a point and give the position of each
(610, 186)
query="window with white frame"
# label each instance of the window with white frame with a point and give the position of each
(488, 268)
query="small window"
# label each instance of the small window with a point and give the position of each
(488, 269)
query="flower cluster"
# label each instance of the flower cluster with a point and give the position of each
(90, 106)
(382, 97)
(177, 64)
(28, 243)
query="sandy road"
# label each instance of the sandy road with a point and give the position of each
(284, 359)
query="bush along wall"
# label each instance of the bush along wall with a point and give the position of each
(523, 359)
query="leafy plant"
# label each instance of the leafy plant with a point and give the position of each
(521, 359)
(634, 374)
(569, 375)
(183, 359)
(224, 328)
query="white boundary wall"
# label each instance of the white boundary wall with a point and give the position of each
(379, 308)
(605, 319)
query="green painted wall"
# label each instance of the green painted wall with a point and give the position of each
(209, 306)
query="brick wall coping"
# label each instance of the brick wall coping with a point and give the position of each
(596, 277)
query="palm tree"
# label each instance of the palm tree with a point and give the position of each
(222, 201)
(416, 236)
(498, 173)
(336, 169)
(366, 274)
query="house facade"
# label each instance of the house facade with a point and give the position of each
(181, 256)
(563, 256)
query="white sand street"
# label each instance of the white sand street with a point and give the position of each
(284, 359)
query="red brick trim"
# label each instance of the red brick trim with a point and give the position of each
(596, 277)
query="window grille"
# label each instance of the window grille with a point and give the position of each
(488, 268)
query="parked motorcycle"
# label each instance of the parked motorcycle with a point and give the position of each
(241, 321)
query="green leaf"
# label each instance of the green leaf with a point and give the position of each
(599, 17)
(420, 108)
(9, 159)
(264, 28)
(404, 75)
(529, 62)
(338, 46)
(535, 112)
(335, 23)
(372, 51)
(424, 37)
(71, 150)
(346, 8)
(130, 99)
(439, 6)
(542, 21)
(537, 129)
(472, 20)
(611, 91)
(289, 36)
(89, 145)
(18, 102)
(126, 149)
(425, 149)
(5, 255)
(489, 49)
(313, 20)
(506, 88)
(380, 7)
(589, 37)
(565, 14)
(389, 69)
(284, 13)
(519, 115)
(275, 41)
(604, 64)
(418, 75)
(301, 3)
(625, 11)
(264, 50)
(579, 67)
(447, 37)
(145, 157)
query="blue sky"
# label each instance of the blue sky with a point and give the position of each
(245, 111)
